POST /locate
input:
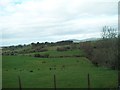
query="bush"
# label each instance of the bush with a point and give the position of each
(42, 56)
(87, 47)
(63, 48)
(43, 50)
(37, 55)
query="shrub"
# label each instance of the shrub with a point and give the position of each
(63, 48)
(37, 55)
(43, 50)
(46, 55)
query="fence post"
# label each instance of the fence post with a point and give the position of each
(20, 87)
(118, 79)
(54, 82)
(88, 77)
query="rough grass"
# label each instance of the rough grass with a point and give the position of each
(54, 53)
(73, 75)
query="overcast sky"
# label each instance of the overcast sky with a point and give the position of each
(26, 21)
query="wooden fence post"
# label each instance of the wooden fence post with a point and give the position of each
(88, 77)
(54, 82)
(118, 79)
(20, 87)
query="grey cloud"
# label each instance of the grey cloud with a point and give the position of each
(67, 19)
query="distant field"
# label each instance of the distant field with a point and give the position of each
(70, 72)
(54, 53)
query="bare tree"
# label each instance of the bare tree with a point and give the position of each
(109, 32)
(110, 45)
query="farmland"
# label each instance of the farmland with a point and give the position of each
(38, 72)
(37, 63)
(59, 44)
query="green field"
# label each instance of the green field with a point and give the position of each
(54, 53)
(71, 72)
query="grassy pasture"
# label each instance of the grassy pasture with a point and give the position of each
(70, 72)
(54, 53)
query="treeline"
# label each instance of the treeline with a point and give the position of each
(67, 42)
(103, 52)
(33, 47)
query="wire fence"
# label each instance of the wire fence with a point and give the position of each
(55, 83)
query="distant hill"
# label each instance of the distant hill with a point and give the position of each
(83, 40)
